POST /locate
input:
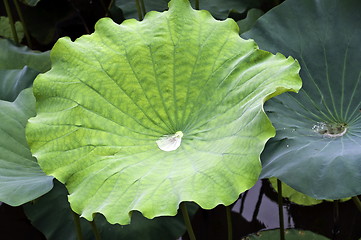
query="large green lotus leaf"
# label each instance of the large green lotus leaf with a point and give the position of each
(15, 57)
(111, 96)
(5, 29)
(54, 208)
(290, 234)
(21, 178)
(219, 8)
(13, 81)
(317, 149)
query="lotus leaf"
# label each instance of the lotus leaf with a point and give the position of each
(290, 234)
(5, 29)
(219, 8)
(15, 57)
(110, 96)
(317, 147)
(54, 207)
(21, 179)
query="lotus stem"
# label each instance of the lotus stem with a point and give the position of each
(80, 16)
(336, 218)
(142, 6)
(139, 10)
(187, 221)
(21, 17)
(280, 209)
(11, 21)
(357, 202)
(95, 230)
(109, 7)
(258, 204)
(229, 222)
(79, 235)
(104, 7)
(244, 195)
(197, 4)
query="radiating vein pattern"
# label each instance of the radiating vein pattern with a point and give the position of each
(317, 146)
(112, 95)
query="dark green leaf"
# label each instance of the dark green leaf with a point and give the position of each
(14, 57)
(317, 149)
(14, 81)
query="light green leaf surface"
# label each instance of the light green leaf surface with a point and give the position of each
(305, 154)
(290, 234)
(5, 29)
(14, 57)
(54, 208)
(21, 178)
(110, 96)
(218, 8)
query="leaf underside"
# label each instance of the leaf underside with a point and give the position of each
(21, 179)
(111, 95)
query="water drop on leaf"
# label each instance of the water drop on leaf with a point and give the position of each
(170, 142)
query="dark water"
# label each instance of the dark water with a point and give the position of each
(14, 225)
(255, 210)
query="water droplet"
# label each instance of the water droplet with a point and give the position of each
(330, 129)
(170, 142)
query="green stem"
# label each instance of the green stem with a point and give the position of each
(95, 230)
(21, 17)
(139, 10)
(104, 7)
(280, 210)
(11, 21)
(336, 219)
(109, 7)
(197, 4)
(229, 222)
(77, 226)
(357, 202)
(142, 7)
(187, 221)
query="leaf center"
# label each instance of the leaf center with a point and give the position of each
(170, 142)
(330, 129)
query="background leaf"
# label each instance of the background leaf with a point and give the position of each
(54, 208)
(293, 195)
(290, 234)
(247, 23)
(30, 2)
(21, 178)
(327, 44)
(14, 81)
(110, 96)
(15, 57)
(5, 30)
(219, 8)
